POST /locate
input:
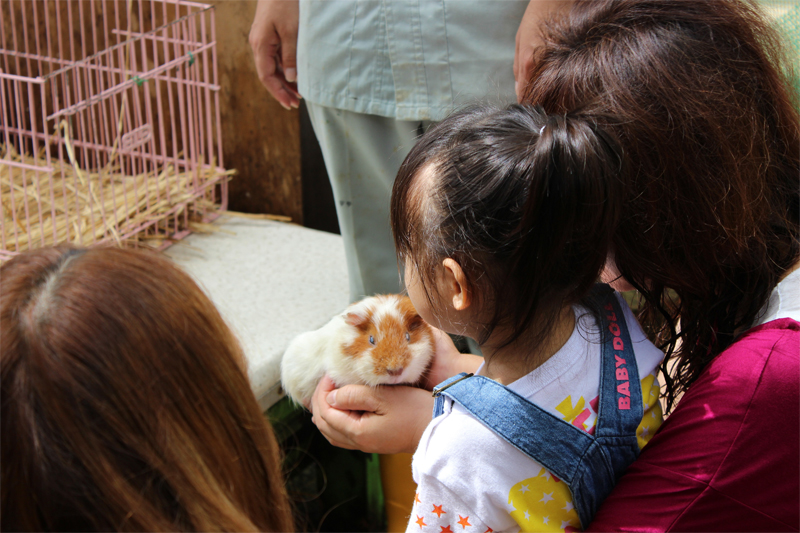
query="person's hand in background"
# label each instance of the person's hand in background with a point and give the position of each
(273, 38)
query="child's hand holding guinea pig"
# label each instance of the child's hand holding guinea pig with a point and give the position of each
(386, 419)
(378, 340)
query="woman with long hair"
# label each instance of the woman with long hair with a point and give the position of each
(697, 95)
(700, 95)
(125, 402)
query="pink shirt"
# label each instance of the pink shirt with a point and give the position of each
(728, 457)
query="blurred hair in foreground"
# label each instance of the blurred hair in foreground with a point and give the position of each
(125, 403)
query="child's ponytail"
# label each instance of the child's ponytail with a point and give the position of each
(526, 203)
(569, 216)
(573, 202)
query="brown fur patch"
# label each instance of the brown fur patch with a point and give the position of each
(392, 349)
(418, 328)
(410, 315)
(361, 344)
(365, 327)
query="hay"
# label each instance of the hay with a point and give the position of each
(86, 207)
(259, 216)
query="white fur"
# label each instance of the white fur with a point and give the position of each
(311, 355)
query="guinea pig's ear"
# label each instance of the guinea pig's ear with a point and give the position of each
(410, 315)
(414, 321)
(355, 319)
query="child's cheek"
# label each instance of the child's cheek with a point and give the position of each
(416, 292)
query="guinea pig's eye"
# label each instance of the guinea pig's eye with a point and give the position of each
(408, 336)
(372, 340)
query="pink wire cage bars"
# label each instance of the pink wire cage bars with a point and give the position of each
(109, 122)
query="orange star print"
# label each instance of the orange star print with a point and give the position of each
(437, 510)
(446, 529)
(463, 521)
(420, 522)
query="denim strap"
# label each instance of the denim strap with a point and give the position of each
(620, 389)
(525, 425)
(589, 465)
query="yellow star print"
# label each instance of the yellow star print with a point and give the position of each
(542, 503)
(653, 417)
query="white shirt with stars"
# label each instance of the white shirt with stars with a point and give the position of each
(471, 480)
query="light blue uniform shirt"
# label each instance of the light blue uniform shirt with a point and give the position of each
(786, 14)
(410, 60)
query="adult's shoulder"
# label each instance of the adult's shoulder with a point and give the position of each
(763, 357)
(728, 456)
(744, 398)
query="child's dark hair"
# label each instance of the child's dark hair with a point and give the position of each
(705, 111)
(526, 203)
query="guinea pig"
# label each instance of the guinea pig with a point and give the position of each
(378, 340)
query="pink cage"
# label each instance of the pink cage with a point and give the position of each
(109, 122)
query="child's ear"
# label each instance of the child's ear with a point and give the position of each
(455, 284)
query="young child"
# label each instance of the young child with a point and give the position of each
(503, 220)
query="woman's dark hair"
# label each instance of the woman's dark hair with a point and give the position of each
(125, 404)
(702, 105)
(526, 203)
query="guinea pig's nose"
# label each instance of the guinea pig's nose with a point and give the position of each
(394, 371)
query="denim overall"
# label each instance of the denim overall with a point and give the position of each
(589, 464)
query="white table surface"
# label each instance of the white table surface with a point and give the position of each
(270, 281)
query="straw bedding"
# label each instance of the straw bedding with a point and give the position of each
(97, 206)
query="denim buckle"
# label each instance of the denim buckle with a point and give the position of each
(438, 390)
